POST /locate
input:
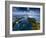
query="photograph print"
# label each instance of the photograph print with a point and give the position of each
(25, 18)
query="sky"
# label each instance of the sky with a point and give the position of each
(31, 12)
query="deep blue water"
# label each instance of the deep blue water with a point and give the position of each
(22, 25)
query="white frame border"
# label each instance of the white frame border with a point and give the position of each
(32, 31)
